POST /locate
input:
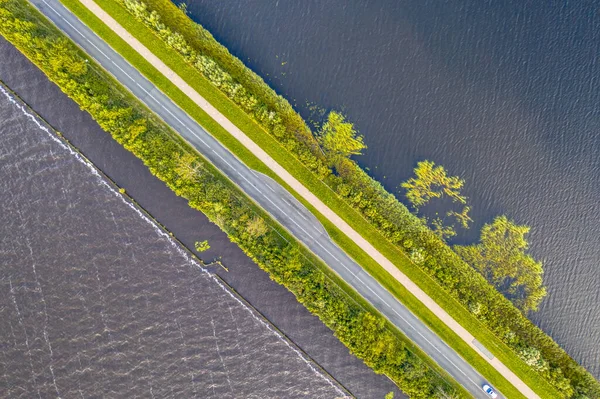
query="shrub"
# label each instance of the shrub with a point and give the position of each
(189, 175)
(201, 246)
(381, 208)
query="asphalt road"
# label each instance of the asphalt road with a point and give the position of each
(268, 194)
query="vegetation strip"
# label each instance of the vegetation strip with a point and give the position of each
(398, 290)
(512, 338)
(503, 350)
(162, 227)
(189, 175)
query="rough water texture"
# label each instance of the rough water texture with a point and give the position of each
(504, 94)
(272, 300)
(96, 301)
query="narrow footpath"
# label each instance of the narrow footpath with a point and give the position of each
(273, 301)
(308, 196)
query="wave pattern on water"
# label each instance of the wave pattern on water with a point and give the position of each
(96, 303)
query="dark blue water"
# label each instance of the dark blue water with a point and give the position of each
(97, 301)
(270, 299)
(504, 94)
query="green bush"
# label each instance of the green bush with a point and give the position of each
(366, 195)
(201, 246)
(189, 175)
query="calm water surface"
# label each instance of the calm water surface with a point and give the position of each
(505, 94)
(96, 301)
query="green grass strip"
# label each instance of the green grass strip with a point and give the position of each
(141, 132)
(174, 61)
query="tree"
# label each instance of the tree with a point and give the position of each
(257, 227)
(202, 246)
(432, 182)
(450, 394)
(187, 167)
(463, 217)
(533, 357)
(338, 138)
(389, 395)
(500, 257)
(441, 230)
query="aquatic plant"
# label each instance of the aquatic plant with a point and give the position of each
(500, 257)
(202, 246)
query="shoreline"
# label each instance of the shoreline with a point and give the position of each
(270, 300)
(193, 257)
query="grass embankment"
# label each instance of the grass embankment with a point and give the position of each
(241, 120)
(368, 199)
(292, 164)
(191, 176)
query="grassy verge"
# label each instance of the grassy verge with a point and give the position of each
(170, 158)
(269, 144)
(365, 195)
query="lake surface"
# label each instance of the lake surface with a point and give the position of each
(97, 301)
(504, 94)
(270, 299)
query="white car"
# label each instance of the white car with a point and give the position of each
(490, 392)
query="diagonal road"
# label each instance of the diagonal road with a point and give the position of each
(268, 194)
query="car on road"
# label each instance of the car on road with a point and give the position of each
(490, 392)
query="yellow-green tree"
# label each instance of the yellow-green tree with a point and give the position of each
(440, 229)
(462, 217)
(339, 138)
(188, 167)
(500, 257)
(430, 182)
(257, 227)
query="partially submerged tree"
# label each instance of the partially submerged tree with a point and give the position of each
(500, 257)
(338, 138)
(440, 229)
(432, 182)
(202, 246)
(462, 217)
